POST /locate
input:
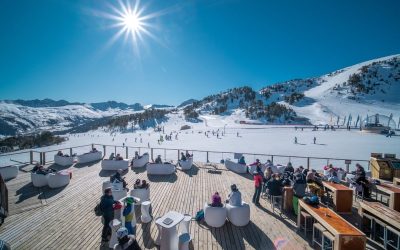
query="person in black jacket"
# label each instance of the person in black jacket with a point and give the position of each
(106, 206)
(360, 179)
(274, 185)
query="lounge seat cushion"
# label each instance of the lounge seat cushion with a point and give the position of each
(160, 169)
(235, 167)
(214, 216)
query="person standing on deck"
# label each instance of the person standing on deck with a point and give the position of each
(257, 187)
(129, 214)
(106, 206)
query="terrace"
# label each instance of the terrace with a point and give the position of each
(63, 218)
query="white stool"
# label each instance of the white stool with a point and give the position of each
(184, 224)
(158, 240)
(115, 225)
(145, 217)
(184, 240)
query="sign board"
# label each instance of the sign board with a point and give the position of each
(392, 156)
(376, 155)
(347, 161)
(237, 156)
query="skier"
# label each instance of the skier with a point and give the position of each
(295, 140)
(237, 134)
(315, 139)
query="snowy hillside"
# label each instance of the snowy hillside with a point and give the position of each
(363, 89)
(33, 116)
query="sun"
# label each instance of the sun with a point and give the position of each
(130, 21)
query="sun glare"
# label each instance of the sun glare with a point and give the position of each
(128, 18)
(131, 22)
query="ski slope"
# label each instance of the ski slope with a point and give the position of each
(257, 139)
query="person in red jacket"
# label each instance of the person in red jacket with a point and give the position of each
(258, 187)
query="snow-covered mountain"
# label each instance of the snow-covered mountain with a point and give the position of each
(363, 89)
(36, 115)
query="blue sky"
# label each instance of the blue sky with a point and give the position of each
(58, 48)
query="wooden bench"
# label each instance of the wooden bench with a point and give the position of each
(346, 235)
(342, 197)
(396, 181)
(394, 194)
(383, 215)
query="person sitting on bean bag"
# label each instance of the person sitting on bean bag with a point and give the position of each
(158, 160)
(125, 240)
(216, 200)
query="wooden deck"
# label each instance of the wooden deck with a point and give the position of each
(64, 218)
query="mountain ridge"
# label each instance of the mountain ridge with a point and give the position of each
(362, 89)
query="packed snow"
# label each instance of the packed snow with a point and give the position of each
(239, 138)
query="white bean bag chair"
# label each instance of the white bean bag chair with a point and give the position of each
(142, 193)
(141, 162)
(39, 180)
(9, 172)
(114, 165)
(118, 194)
(89, 157)
(63, 160)
(160, 169)
(254, 168)
(280, 168)
(239, 215)
(235, 167)
(58, 180)
(186, 165)
(214, 216)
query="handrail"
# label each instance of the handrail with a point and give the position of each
(229, 152)
(43, 153)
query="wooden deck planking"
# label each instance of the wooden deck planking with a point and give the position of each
(67, 221)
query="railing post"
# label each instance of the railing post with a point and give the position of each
(104, 150)
(207, 158)
(308, 163)
(70, 151)
(44, 158)
(272, 159)
(92, 145)
(151, 153)
(115, 150)
(40, 158)
(165, 154)
(178, 154)
(126, 148)
(31, 156)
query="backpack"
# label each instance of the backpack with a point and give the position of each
(97, 210)
(199, 215)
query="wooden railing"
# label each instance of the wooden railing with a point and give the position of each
(42, 159)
